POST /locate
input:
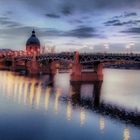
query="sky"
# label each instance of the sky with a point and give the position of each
(86, 25)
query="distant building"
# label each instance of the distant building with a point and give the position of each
(33, 44)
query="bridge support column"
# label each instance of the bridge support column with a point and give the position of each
(86, 76)
(98, 68)
(53, 71)
(33, 67)
(53, 68)
(76, 69)
(13, 67)
(96, 93)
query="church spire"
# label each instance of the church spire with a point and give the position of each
(33, 32)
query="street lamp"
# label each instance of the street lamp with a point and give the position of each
(91, 48)
(129, 47)
(132, 45)
(106, 46)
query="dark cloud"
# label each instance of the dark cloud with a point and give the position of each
(134, 30)
(8, 13)
(111, 22)
(119, 23)
(16, 32)
(4, 21)
(53, 15)
(92, 5)
(67, 10)
(130, 14)
(76, 21)
(83, 32)
(68, 7)
(79, 32)
(125, 15)
(50, 32)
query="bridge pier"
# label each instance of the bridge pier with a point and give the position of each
(98, 69)
(92, 102)
(53, 68)
(86, 76)
(13, 64)
(33, 67)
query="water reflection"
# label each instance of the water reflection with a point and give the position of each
(47, 97)
(102, 123)
(69, 110)
(82, 116)
(91, 101)
(56, 102)
(32, 92)
(126, 134)
(37, 97)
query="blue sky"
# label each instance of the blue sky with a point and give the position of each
(71, 24)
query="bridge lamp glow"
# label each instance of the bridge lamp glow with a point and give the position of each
(132, 44)
(127, 46)
(91, 47)
(106, 45)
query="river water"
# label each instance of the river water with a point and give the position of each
(31, 109)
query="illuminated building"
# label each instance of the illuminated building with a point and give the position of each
(33, 44)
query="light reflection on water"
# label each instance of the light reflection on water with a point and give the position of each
(74, 103)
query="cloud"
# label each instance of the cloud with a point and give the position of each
(119, 23)
(67, 10)
(76, 21)
(49, 32)
(134, 30)
(21, 31)
(53, 15)
(130, 14)
(125, 15)
(78, 32)
(68, 7)
(111, 22)
(82, 32)
(4, 21)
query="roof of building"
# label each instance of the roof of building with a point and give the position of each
(33, 40)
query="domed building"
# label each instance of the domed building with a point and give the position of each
(33, 44)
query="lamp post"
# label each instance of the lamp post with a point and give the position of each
(129, 47)
(91, 48)
(106, 46)
(132, 45)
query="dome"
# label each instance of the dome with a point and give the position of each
(33, 40)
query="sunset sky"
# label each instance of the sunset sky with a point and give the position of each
(71, 24)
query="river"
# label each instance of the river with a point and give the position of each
(30, 109)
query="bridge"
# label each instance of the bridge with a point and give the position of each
(84, 67)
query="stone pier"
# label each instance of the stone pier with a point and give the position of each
(86, 76)
(33, 67)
